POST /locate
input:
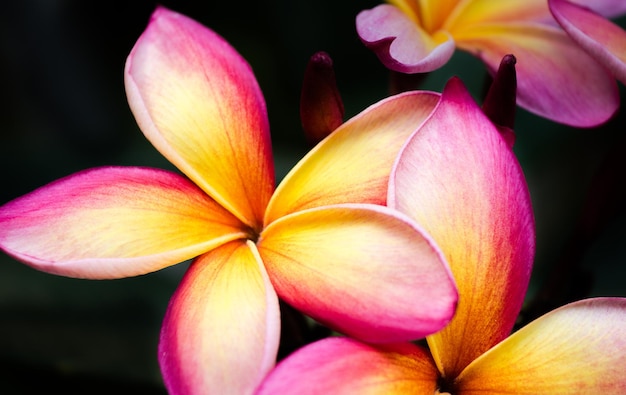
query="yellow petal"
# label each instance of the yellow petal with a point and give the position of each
(576, 349)
(114, 222)
(353, 163)
(220, 334)
(197, 101)
(364, 270)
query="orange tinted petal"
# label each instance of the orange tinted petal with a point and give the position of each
(114, 222)
(576, 349)
(221, 331)
(196, 99)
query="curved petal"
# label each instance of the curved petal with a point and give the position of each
(222, 327)
(344, 366)
(578, 348)
(556, 79)
(353, 163)
(199, 104)
(459, 180)
(114, 222)
(364, 270)
(400, 43)
(603, 40)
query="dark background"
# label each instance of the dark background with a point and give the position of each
(64, 109)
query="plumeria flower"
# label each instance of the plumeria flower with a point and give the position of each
(323, 240)
(459, 179)
(602, 39)
(557, 79)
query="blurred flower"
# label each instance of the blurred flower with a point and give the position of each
(557, 79)
(602, 39)
(458, 178)
(323, 240)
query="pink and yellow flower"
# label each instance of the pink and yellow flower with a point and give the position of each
(602, 39)
(557, 79)
(323, 240)
(458, 178)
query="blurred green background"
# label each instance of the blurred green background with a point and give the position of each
(64, 110)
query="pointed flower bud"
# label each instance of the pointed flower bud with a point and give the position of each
(321, 107)
(499, 104)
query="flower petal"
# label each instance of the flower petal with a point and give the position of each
(556, 79)
(400, 43)
(345, 366)
(603, 40)
(578, 348)
(114, 222)
(364, 270)
(480, 12)
(459, 180)
(199, 104)
(353, 163)
(222, 327)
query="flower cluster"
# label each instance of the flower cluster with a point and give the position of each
(411, 220)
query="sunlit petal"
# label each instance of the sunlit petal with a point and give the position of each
(364, 270)
(458, 178)
(114, 222)
(572, 88)
(344, 366)
(197, 101)
(353, 163)
(220, 334)
(400, 43)
(605, 41)
(576, 349)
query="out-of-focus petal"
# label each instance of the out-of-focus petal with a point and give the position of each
(221, 330)
(578, 348)
(353, 163)
(197, 101)
(481, 12)
(459, 180)
(547, 64)
(345, 366)
(605, 41)
(114, 222)
(606, 8)
(364, 270)
(400, 43)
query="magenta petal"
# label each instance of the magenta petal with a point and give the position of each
(342, 366)
(605, 41)
(399, 42)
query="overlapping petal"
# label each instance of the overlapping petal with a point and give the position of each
(400, 43)
(353, 163)
(605, 41)
(344, 366)
(114, 222)
(221, 331)
(590, 101)
(197, 101)
(578, 348)
(364, 270)
(459, 180)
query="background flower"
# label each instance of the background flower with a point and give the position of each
(417, 36)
